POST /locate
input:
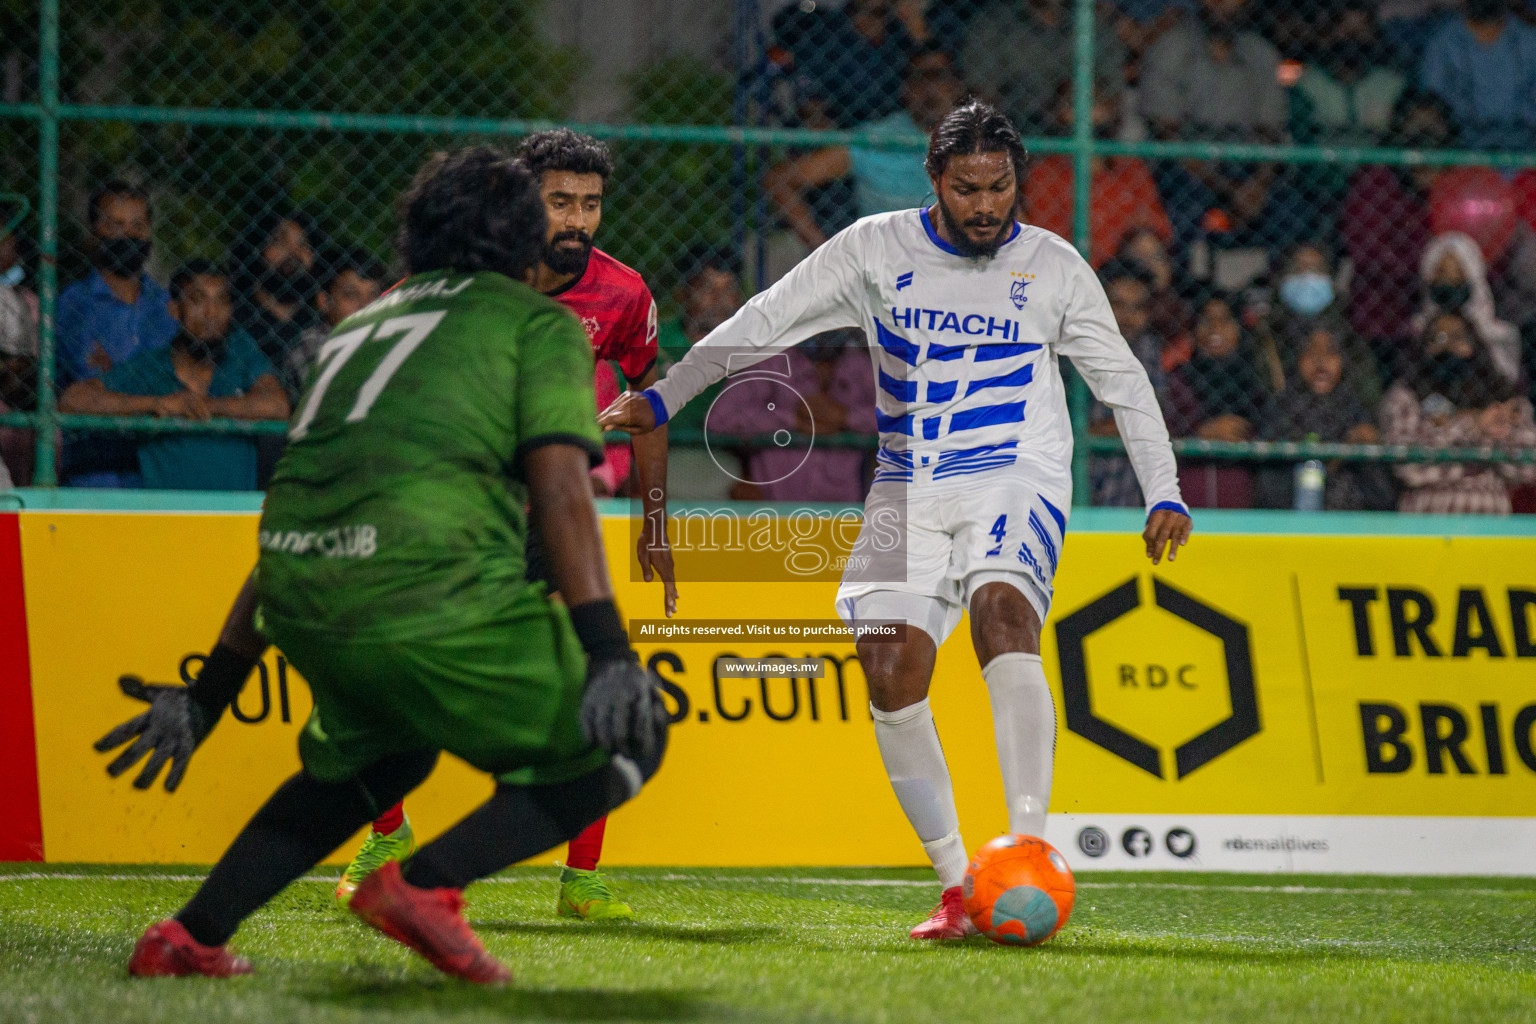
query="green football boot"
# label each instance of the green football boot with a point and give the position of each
(585, 894)
(378, 850)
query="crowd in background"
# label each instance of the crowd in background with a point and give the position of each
(1306, 301)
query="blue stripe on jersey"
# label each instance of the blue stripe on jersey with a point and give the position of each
(945, 353)
(893, 424)
(931, 428)
(892, 457)
(906, 390)
(941, 390)
(989, 352)
(977, 467)
(1045, 538)
(960, 454)
(895, 344)
(1018, 378)
(1028, 559)
(1061, 520)
(987, 416)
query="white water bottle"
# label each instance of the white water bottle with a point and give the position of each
(1310, 478)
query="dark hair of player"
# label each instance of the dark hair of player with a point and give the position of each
(332, 263)
(971, 128)
(189, 270)
(116, 188)
(472, 210)
(561, 149)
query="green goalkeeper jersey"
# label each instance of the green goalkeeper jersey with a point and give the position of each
(397, 509)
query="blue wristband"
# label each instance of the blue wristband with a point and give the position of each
(658, 407)
(1170, 506)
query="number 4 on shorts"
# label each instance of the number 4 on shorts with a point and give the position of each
(335, 353)
(999, 531)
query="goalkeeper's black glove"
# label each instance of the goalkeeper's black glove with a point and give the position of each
(169, 731)
(621, 710)
(179, 717)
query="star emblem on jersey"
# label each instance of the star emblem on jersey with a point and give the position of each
(591, 326)
(1016, 290)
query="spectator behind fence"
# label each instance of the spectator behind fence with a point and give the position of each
(346, 280)
(18, 358)
(1307, 296)
(1344, 97)
(1171, 316)
(1452, 396)
(1483, 64)
(1123, 199)
(830, 373)
(1454, 279)
(1218, 395)
(884, 179)
(1129, 289)
(209, 370)
(273, 277)
(116, 312)
(708, 293)
(1209, 77)
(1321, 402)
(1139, 23)
(1016, 51)
(1385, 227)
(849, 60)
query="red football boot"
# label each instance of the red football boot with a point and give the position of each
(428, 921)
(948, 920)
(165, 950)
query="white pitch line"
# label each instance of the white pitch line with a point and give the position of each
(1279, 890)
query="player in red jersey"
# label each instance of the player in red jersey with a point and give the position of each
(619, 315)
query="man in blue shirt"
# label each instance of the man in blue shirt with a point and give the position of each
(114, 313)
(208, 371)
(1484, 65)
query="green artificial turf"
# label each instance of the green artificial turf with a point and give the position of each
(805, 945)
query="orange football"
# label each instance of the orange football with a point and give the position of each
(1019, 890)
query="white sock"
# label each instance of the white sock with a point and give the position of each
(1024, 721)
(914, 761)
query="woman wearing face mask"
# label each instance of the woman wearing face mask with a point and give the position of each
(1453, 396)
(1455, 280)
(1218, 395)
(1306, 298)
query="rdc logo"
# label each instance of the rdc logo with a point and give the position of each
(1137, 842)
(1093, 841)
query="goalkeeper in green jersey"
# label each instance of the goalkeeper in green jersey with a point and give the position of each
(392, 575)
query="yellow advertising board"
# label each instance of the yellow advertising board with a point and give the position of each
(1256, 683)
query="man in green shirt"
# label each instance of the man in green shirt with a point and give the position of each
(210, 369)
(392, 575)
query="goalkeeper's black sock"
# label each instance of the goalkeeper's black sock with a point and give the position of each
(296, 829)
(513, 825)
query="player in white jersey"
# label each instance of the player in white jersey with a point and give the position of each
(967, 312)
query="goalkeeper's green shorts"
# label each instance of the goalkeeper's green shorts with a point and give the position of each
(505, 695)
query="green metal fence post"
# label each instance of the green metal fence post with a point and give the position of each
(1082, 185)
(46, 473)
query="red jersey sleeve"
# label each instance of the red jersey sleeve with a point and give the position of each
(632, 342)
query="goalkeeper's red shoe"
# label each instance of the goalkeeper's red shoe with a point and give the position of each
(430, 921)
(948, 920)
(165, 950)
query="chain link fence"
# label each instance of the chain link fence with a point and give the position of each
(1313, 219)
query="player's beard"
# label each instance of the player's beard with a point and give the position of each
(963, 242)
(564, 260)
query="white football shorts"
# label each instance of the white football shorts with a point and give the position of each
(996, 527)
